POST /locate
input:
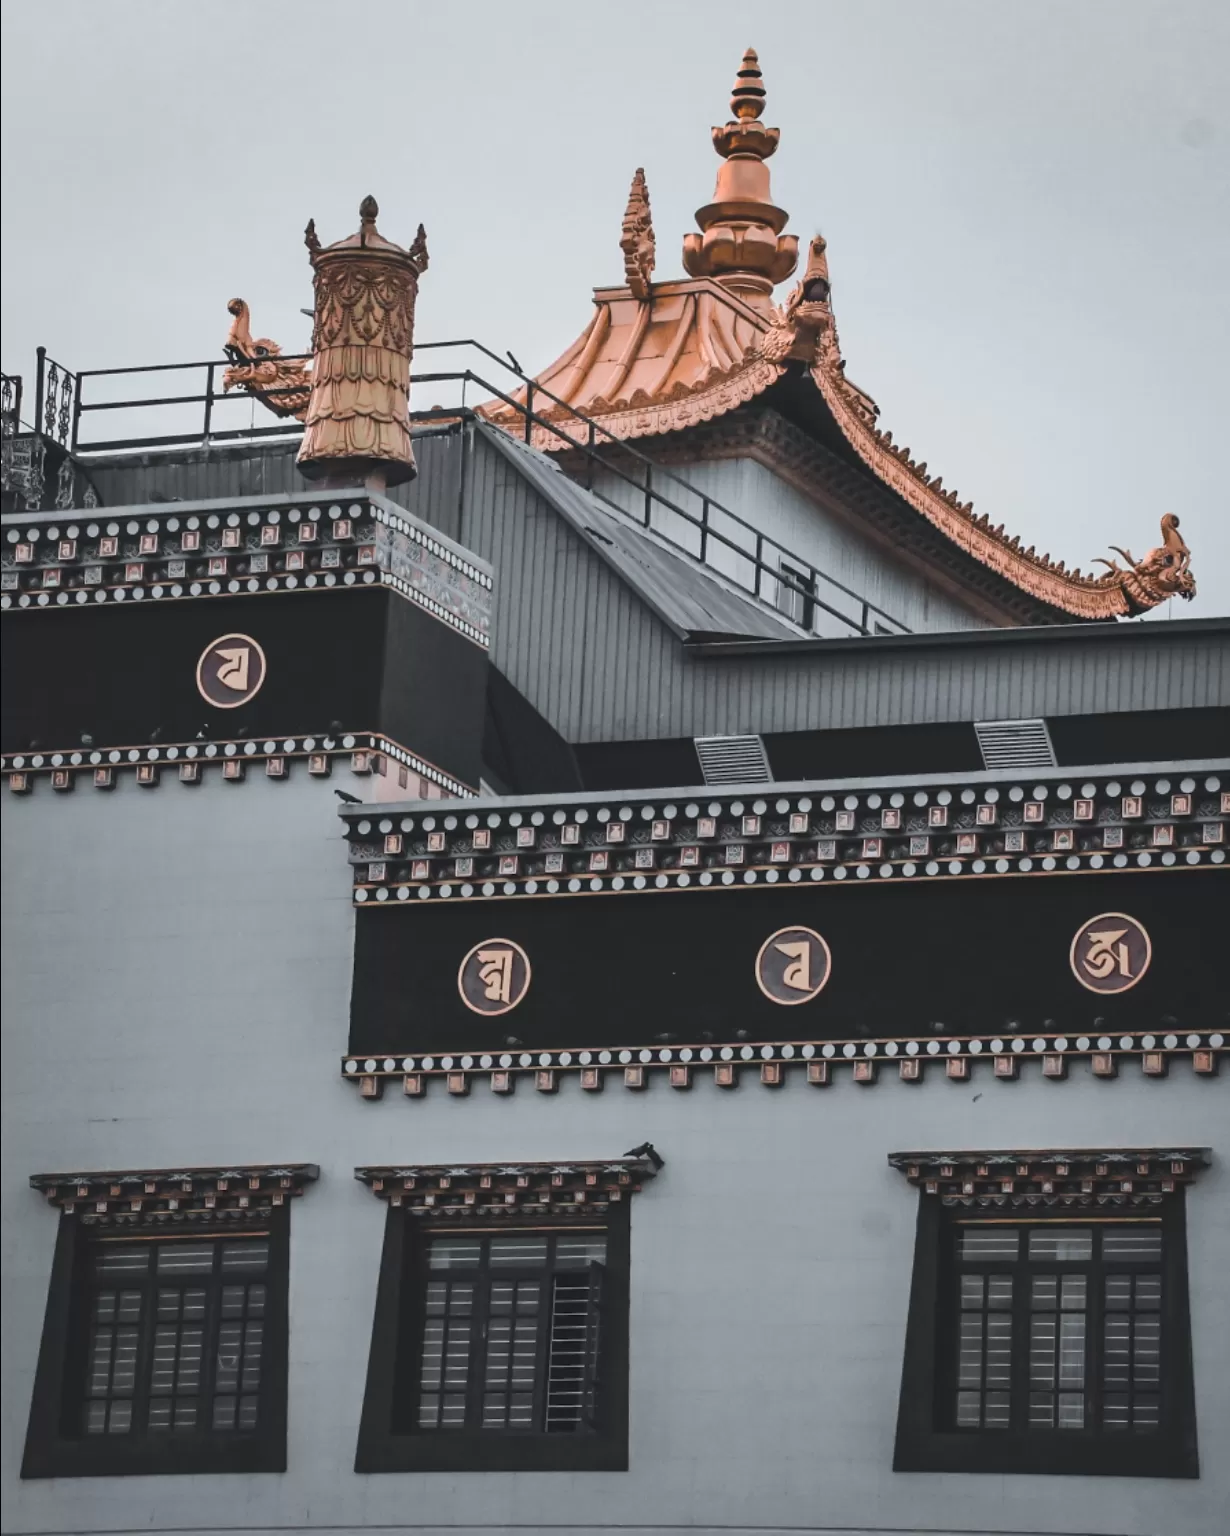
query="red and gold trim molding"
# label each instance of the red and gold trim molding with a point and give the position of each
(818, 1062)
(701, 840)
(509, 1189)
(316, 541)
(1083, 1177)
(367, 755)
(232, 1194)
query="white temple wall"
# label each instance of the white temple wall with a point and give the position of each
(176, 981)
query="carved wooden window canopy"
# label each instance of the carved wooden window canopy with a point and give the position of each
(1081, 1177)
(441, 1190)
(164, 1196)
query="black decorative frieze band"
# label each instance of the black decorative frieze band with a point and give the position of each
(819, 1063)
(697, 840)
(315, 541)
(365, 754)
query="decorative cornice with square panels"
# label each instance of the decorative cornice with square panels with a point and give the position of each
(1085, 1178)
(229, 1195)
(1064, 821)
(315, 541)
(1006, 1058)
(189, 762)
(509, 1189)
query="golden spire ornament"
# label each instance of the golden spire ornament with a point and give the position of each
(357, 429)
(741, 242)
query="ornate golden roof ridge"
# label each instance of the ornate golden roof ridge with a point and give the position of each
(805, 330)
(661, 357)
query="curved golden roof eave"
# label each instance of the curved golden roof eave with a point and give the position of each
(658, 358)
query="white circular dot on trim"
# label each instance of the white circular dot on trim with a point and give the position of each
(1104, 1042)
(352, 1066)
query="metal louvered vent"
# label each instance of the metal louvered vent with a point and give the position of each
(1014, 744)
(733, 760)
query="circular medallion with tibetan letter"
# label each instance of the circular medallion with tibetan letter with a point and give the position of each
(1110, 953)
(231, 671)
(494, 977)
(793, 965)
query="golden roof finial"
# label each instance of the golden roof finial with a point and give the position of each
(637, 240)
(747, 98)
(741, 243)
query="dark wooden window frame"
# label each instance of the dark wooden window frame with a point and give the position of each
(389, 1440)
(927, 1443)
(55, 1443)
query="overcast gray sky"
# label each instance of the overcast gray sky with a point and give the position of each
(1027, 204)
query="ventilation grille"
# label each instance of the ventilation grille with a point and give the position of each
(733, 760)
(1014, 744)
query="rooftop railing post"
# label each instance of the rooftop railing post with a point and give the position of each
(866, 616)
(704, 529)
(74, 431)
(207, 423)
(648, 493)
(529, 411)
(39, 377)
(759, 562)
(590, 450)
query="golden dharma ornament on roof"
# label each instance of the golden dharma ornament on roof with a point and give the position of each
(358, 417)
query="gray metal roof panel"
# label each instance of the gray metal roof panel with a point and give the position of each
(684, 595)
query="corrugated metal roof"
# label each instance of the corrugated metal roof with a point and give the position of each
(683, 594)
(589, 632)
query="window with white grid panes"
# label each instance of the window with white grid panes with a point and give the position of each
(512, 1332)
(176, 1336)
(1050, 1342)
(1058, 1326)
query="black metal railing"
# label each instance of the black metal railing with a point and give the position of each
(56, 401)
(622, 477)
